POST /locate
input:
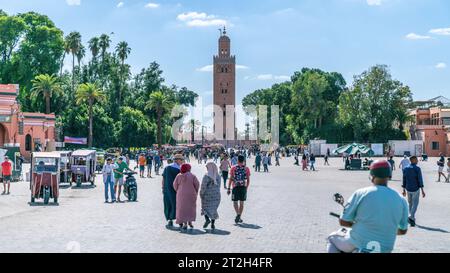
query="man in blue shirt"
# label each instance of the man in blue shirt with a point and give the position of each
(412, 186)
(376, 215)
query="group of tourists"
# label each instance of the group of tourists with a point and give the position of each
(181, 189)
(113, 178)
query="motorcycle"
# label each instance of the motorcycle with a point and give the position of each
(338, 198)
(130, 186)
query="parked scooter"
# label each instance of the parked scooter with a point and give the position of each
(130, 186)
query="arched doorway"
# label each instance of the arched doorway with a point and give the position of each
(28, 143)
(3, 135)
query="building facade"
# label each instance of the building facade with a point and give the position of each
(21, 131)
(432, 126)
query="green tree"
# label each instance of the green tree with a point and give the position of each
(374, 105)
(89, 93)
(12, 29)
(136, 130)
(46, 85)
(161, 104)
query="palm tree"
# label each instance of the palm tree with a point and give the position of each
(45, 85)
(81, 53)
(161, 104)
(66, 52)
(122, 50)
(94, 47)
(73, 41)
(104, 43)
(89, 93)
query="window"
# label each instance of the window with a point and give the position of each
(435, 146)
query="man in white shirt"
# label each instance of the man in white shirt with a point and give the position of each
(404, 163)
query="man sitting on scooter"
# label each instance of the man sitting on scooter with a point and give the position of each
(376, 215)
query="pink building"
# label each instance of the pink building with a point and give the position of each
(23, 131)
(432, 126)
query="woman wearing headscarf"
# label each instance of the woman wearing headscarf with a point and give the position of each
(169, 194)
(187, 186)
(210, 195)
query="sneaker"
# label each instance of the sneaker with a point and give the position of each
(238, 219)
(213, 226)
(170, 224)
(411, 222)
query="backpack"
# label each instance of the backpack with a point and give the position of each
(240, 176)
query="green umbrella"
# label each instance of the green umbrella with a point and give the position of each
(354, 148)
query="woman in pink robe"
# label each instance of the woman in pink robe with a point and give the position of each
(187, 186)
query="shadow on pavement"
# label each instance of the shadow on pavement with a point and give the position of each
(51, 204)
(173, 228)
(218, 232)
(249, 226)
(194, 232)
(433, 229)
(83, 187)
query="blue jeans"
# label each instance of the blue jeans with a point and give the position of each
(413, 200)
(109, 186)
(312, 165)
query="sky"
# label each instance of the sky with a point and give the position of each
(270, 38)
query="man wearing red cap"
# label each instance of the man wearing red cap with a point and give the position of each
(376, 215)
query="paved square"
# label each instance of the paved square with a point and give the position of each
(287, 211)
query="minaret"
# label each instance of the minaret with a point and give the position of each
(225, 85)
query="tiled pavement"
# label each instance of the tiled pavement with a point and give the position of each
(287, 211)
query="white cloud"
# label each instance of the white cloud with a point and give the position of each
(209, 68)
(201, 19)
(414, 36)
(206, 68)
(270, 77)
(152, 5)
(441, 31)
(73, 2)
(120, 4)
(242, 67)
(441, 66)
(374, 2)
